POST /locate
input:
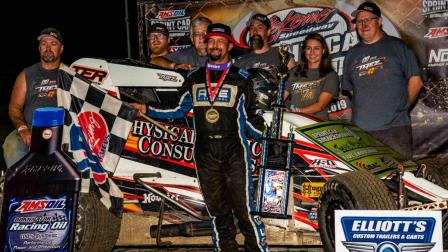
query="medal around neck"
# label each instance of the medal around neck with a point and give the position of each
(212, 115)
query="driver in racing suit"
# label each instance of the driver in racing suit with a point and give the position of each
(221, 96)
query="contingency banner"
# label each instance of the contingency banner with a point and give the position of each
(422, 24)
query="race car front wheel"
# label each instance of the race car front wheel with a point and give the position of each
(352, 190)
(97, 229)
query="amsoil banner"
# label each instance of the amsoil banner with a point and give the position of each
(422, 24)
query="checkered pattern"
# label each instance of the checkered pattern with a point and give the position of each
(78, 95)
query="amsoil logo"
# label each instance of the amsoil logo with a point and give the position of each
(438, 57)
(435, 8)
(437, 32)
(29, 206)
(170, 14)
(96, 132)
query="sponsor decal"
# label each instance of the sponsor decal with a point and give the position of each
(387, 231)
(369, 65)
(437, 32)
(150, 197)
(438, 57)
(312, 189)
(155, 142)
(92, 74)
(177, 26)
(38, 224)
(167, 77)
(170, 14)
(95, 131)
(224, 95)
(313, 214)
(29, 206)
(255, 150)
(435, 8)
(323, 163)
(351, 144)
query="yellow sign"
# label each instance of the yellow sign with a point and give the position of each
(312, 189)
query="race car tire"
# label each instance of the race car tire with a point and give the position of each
(352, 190)
(436, 171)
(97, 229)
(445, 230)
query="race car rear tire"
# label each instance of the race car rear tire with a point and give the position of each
(436, 171)
(352, 190)
(445, 229)
(97, 229)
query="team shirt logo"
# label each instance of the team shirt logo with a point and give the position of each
(369, 65)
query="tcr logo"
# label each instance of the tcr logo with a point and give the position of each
(92, 74)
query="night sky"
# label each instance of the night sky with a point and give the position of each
(94, 28)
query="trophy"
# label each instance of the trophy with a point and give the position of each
(276, 157)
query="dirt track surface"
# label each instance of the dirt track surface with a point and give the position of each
(135, 233)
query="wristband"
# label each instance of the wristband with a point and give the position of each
(22, 128)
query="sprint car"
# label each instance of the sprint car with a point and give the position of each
(335, 165)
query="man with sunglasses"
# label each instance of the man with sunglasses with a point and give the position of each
(383, 76)
(158, 40)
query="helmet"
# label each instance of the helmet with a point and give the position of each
(265, 88)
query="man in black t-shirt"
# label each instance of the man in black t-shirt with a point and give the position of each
(262, 55)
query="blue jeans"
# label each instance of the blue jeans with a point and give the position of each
(14, 148)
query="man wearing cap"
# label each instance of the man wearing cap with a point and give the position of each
(158, 40)
(261, 54)
(222, 100)
(383, 76)
(34, 87)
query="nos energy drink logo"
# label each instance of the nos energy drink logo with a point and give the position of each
(387, 234)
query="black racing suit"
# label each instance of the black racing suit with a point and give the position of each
(222, 154)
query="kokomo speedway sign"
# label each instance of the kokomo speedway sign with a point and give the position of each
(291, 26)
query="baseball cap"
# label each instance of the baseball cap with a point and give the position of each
(260, 17)
(159, 28)
(367, 6)
(52, 32)
(218, 29)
